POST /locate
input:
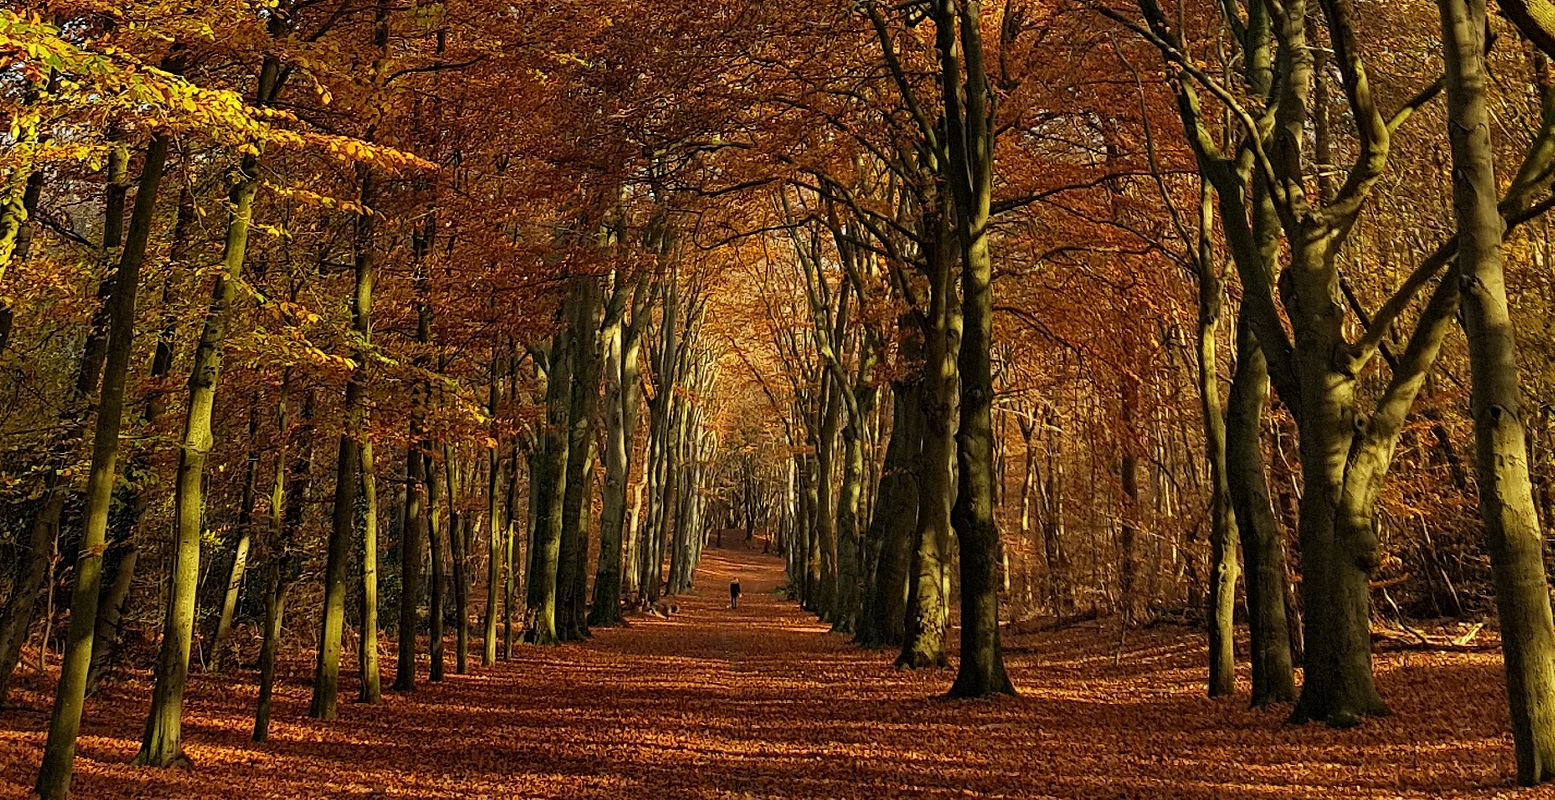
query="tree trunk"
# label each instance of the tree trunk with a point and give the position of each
(65, 719)
(413, 529)
(1222, 537)
(287, 501)
(494, 544)
(162, 742)
(348, 460)
(583, 399)
(970, 171)
(621, 352)
(825, 498)
(549, 480)
(1128, 481)
(123, 555)
(458, 558)
(354, 435)
(895, 519)
(437, 540)
(369, 689)
(511, 555)
(928, 595)
(850, 559)
(412, 547)
(1262, 545)
(1512, 534)
(1338, 545)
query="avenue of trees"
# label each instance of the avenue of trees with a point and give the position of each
(401, 326)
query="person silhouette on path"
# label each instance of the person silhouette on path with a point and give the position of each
(734, 593)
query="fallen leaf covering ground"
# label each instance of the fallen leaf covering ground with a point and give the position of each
(762, 702)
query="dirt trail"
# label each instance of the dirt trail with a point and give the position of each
(762, 702)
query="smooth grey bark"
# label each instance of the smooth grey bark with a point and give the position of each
(1506, 503)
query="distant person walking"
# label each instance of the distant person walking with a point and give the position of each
(734, 593)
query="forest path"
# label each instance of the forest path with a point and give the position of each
(762, 702)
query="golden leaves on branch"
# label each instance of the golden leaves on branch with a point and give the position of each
(80, 93)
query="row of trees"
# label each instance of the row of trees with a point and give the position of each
(1262, 190)
(362, 293)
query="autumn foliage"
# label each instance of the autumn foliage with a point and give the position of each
(1111, 353)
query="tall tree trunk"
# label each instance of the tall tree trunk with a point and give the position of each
(458, 552)
(825, 497)
(413, 530)
(1223, 522)
(1128, 481)
(134, 491)
(621, 350)
(1262, 545)
(549, 478)
(1506, 502)
(326, 678)
(1221, 614)
(894, 521)
(412, 559)
(65, 719)
(583, 398)
(1027, 425)
(369, 688)
(287, 502)
(437, 541)
(809, 537)
(1263, 549)
(162, 743)
(928, 594)
(511, 555)
(1052, 488)
(971, 140)
(348, 461)
(494, 544)
(849, 555)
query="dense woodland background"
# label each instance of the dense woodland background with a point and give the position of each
(338, 323)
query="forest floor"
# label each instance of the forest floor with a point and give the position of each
(762, 702)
